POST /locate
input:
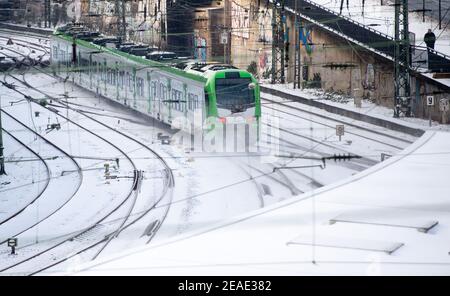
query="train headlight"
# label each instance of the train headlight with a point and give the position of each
(251, 86)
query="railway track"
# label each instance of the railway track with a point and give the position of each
(35, 46)
(169, 180)
(63, 154)
(363, 160)
(313, 115)
(25, 34)
(46, 180)
(169, 184)
(169, 175)
(99, 221)
(27, 60)
(355, 165)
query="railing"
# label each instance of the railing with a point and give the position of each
(349, 19)
(360, 43)
(339, 16)
(443, 55)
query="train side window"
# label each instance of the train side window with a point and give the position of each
(162, 94)
(121, 79)
(190, 98)
(195, 102)
(153, 90)
(55, 52)
(158, 89)
(174, 99)
(206, 101)
(179, 98)
(140, 87)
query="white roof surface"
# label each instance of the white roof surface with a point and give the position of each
(378, 211)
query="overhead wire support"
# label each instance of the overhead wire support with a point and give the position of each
(121, 19)
(297, 34)
(402, 60)
(47, 13)
(279, 40)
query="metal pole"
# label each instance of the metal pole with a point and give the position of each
(283, 45)
(299, 58)
(296, 34)
(124, 21)
(440, 15)
(423, 8)
(2, 159)
(47, 12)
(429, 115)
(225, 31)
(274, 41)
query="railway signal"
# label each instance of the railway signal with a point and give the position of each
(12, 243)
(402, 60)
(340, 131)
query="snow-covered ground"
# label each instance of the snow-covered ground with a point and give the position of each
(388, 220)
(25, 47)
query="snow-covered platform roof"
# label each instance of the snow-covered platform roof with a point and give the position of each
(393, 218)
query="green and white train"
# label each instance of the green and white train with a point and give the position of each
(218, 93)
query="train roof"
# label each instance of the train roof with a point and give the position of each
(205, 69)
(136, 59)
(196, 70)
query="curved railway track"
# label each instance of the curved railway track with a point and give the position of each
(114, 210)
(169, 180)
(168, 188)
(46, 180)
(78, 168)
(26, 57)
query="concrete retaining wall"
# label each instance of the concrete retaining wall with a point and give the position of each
(41, 31)
(347, 113)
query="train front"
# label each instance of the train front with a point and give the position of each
(234, 108)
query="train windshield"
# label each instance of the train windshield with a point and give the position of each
(234, 94)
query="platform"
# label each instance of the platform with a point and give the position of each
(413, 185)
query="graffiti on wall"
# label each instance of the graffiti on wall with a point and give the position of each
(369, 78)
(265, 64)
(240, 21)
(200, 48)
(106, 8)
(307, 39)
(74, 10)
(265, 26)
